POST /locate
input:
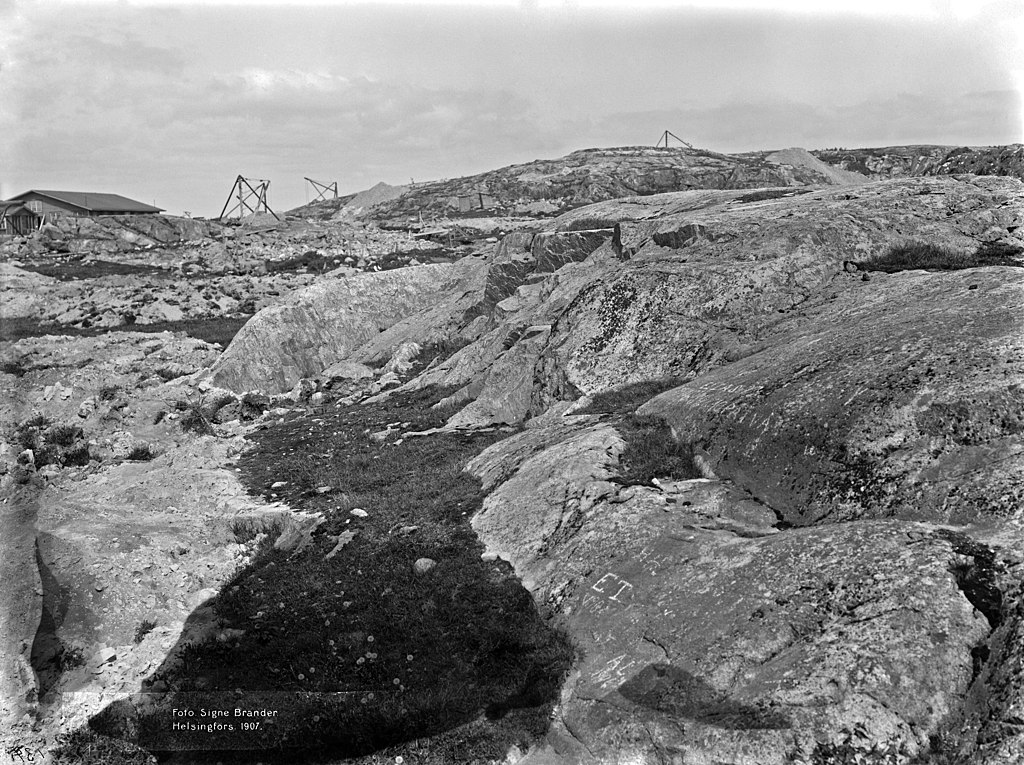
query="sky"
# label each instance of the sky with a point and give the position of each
(167, 102)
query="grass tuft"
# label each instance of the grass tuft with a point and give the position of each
(141, 453)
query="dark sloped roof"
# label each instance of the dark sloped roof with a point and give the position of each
(13, 207)
(93, 202)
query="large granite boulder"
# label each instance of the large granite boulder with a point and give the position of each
(326, 322)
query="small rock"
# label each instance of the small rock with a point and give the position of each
(324, 489)
(849, 266)
(278, 484)
(358, 512)
(489, 556)
(423, 565)
(318, 398)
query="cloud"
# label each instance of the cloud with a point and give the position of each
(988, 117)
(176, 101)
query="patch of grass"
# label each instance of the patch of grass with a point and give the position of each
(171, 372)
(652, 452)
(145, 627)
(590, 224)
(246, 529)
(310, 260)
(939, 257)
(437, 352)
(628, 398)
(764, 194)
(71, 270)
(213, 330)
(387, 655)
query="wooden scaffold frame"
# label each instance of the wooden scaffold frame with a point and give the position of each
(246, 190)
(663, 141)
(322, 189)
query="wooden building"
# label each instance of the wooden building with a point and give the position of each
(81, 203)
(17, 219)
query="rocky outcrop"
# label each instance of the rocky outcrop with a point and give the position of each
(840, 415)
(840, 589)
(899, 161)
(708, 634)
(694, 280)
(325, 323)
(593, 175)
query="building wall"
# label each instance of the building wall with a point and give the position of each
(46, 206)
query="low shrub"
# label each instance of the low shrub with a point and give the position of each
(141, 453)
(193, 421)
(77, 455)
(109, 392)
(63, 434)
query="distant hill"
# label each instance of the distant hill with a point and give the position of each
(545, 188)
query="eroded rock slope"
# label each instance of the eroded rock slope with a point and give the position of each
(844, 579)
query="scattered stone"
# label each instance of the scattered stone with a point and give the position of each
(358, 512)
(424, 565)
(340, 541)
